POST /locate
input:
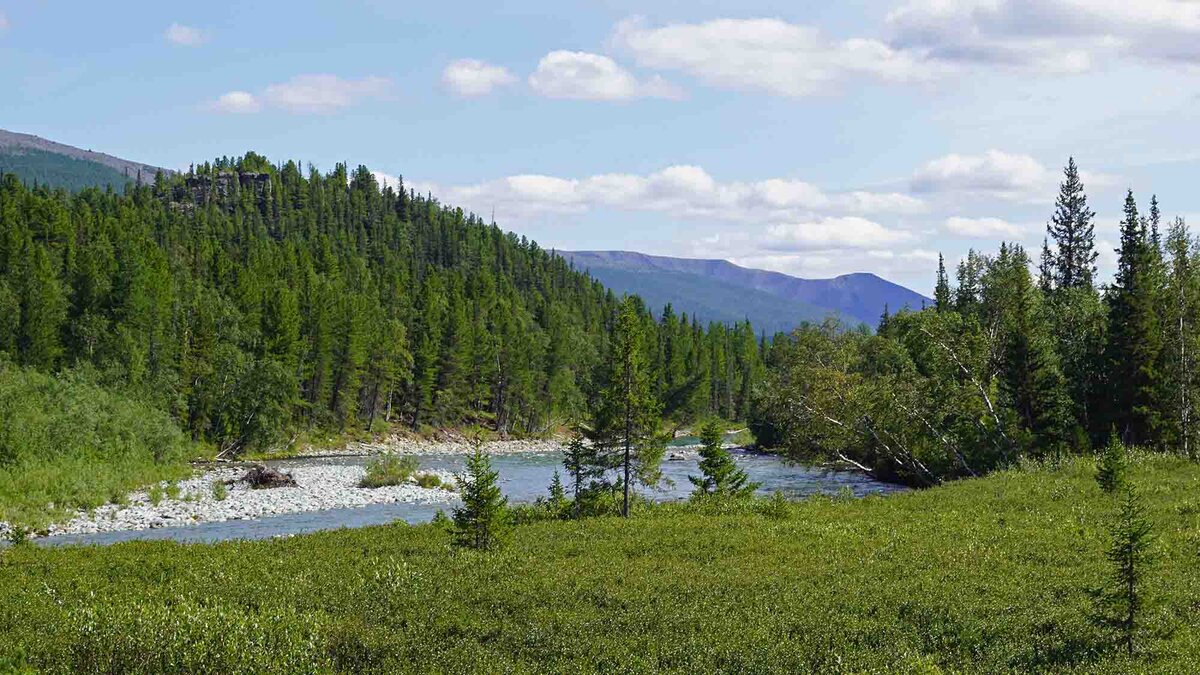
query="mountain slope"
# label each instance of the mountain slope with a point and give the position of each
(33, 158)
(719, 290)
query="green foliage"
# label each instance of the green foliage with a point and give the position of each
(481, 521)
(67, 444)
(1123, 603)
(1112, 466)
(978, 576)
(721, 476)
(389, 469)
(252, 301)
(429, 480)
(624, 431)
(219, 490)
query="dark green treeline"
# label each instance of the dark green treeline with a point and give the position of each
(252, 300)
(1012, 361)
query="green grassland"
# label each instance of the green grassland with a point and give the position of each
(983, 575)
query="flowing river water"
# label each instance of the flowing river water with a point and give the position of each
(524, 476)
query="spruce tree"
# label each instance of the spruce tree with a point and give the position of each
(480, 522)
(941, 291)
(1181, 308)
(1135, 338)
(721, 475)
(1073, 233)
(1124, 601)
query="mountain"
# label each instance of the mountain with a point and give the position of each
(35, 159)
(718, 290)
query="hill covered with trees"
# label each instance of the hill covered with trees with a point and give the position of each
(250, 300)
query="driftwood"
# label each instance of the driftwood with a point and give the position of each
(263, 477)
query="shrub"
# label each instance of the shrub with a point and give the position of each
(219, 490)
(389, 470)
(429, 480)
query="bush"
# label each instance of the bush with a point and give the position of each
(66, 442)
(219, 490)
(429, 480)
(389, 470)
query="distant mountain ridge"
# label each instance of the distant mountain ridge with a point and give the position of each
(719, 290)
(34, 158)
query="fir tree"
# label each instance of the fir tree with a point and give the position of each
(721, 475)
(479, 523)
(1073, 233)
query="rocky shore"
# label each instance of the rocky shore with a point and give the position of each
(408, 446)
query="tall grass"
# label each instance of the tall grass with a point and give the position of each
(66, 444)
(981, 576)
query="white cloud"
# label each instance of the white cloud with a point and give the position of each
(386, 179)
(324, 93)
(184, 36)
(580, 75)
(237, 102)
(681, 190)
(995, 173)
(306, 94)
(983, 228)
(1048, 35)
(832, 233)
(471, 77)
(767, 54)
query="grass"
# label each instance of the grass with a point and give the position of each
(987, 575)
(66, 444)
(389, 470)
(429, 480)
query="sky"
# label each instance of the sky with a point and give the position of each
(814, 139)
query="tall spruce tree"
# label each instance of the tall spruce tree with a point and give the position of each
(941, 291)
(1181, 338)
(1134, 337)
(1073, 233)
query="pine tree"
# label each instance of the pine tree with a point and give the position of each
(941, 292)
(721, 475)
(480, 522)
(1181, 308)
(1125, 600)
(585, 468)
(1073, 233)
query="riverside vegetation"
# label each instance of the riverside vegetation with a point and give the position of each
(990, 575)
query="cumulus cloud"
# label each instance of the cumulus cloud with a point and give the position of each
(324, 93)
(306, 94)
(581, 75)
(1013, 177)
(983, 228)
(471, 77)
(237, 102)
(832, 233)
(184, 36)
(1053, 35)
(767, 54)
(681, 190)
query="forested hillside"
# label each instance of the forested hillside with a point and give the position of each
(250, 300)
(38, 160)
(1007, 365)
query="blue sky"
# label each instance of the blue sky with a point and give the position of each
(811, 138)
